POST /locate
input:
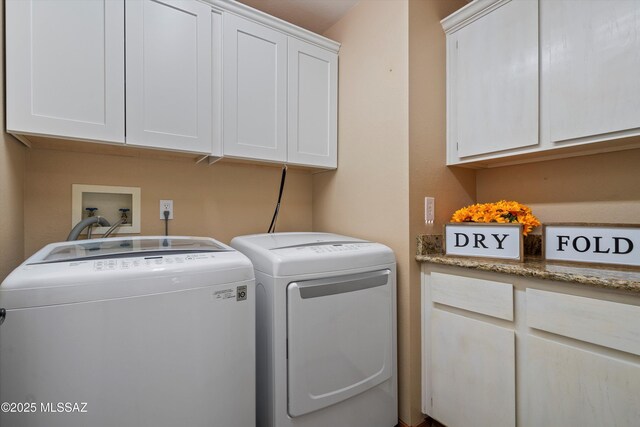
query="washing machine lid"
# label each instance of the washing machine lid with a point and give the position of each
(124, 247)
(97, 269)
(289, 254)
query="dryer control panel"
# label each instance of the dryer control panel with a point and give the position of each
(323, 249)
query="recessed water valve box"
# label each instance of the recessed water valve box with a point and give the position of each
(109, 202)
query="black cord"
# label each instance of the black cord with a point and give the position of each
(272, 227)
(166, 222)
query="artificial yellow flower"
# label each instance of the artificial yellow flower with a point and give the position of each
(500, 212)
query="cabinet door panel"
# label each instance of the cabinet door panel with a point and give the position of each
(591, 67)
(216, 83)
(255, 87)
(568, 386)
(313, 105)
(65, 68)
(472, 372)
(169, 74)
(495, 81)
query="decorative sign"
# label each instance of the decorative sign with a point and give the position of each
(486, 240)
(593, 243)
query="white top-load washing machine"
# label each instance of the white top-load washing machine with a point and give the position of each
(326, 330)
(129, 332)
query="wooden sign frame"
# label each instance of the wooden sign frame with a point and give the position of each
(488, 230)
(608, 247)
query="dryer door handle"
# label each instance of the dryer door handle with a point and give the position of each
(340, 284)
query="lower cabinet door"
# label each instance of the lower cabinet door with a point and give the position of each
(472, 373)
(570, 386)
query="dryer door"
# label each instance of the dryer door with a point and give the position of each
(339, 338)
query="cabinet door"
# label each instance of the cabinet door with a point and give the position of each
(313, 105)
(255, 90)
(169, 74)
(569, 386)
(493, 80)
(216, 83)
(472, 372)
(65, 68)
(591, 65)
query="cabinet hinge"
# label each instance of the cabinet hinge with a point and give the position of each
(456, 44)
(457, 146)
(432, 402)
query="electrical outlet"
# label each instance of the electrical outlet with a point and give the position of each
(166, 205)
(429, 210)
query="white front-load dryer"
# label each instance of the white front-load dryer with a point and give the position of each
(129, 332)
(325, 330)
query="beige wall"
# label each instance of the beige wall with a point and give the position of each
(392, 151)
(451, 187)
(12, 171)
(597, 188)
(368, 196)
(221, 200)
(12, 167)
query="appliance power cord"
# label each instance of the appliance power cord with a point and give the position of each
(272, 227)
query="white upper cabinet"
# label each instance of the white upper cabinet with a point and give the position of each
(216, 83)
(212, 77)
(169, 79)
(531, 80)
(65, 68)
(493, 81)
(255, 90)
(591, 69)
(313, 105)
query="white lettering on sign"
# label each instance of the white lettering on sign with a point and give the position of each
(484, 240)
(600, 244)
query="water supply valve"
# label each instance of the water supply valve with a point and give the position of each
(123, 215)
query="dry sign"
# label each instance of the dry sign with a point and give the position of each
(502, 241)
(601, 244)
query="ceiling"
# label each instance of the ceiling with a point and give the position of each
(314, 15)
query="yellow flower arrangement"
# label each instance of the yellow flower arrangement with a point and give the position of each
(502, 211)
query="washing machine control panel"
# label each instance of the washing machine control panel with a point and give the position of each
(150, 261)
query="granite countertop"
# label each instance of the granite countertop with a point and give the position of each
(622, 278)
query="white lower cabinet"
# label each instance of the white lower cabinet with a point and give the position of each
(573, 386)
(501, 350)
(468, 351)
(582, 360)
(473, 371)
